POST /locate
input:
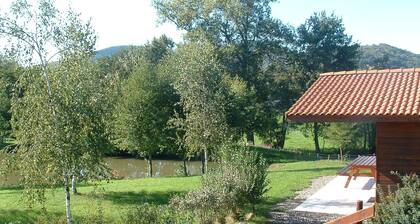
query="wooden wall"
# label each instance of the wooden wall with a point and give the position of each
(398, 149)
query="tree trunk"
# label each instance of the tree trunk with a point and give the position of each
(316, 137)
(67, 190)
(149, 162)
(282, 135)
(250, 137)
(73, 184)
(365, 136)
(206, 160)
(184, 160)
(372, 138)
(203, 170)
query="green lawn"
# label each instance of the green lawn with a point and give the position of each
(286, 175)
(296, 141)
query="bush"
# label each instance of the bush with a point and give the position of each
(239, 180)
(157, 214)
(402, 206)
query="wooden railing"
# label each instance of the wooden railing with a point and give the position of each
(356, 217)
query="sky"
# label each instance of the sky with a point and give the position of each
(134, 22)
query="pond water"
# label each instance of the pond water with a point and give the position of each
(136, 168)
(129, 168)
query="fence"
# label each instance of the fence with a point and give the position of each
(323, 156)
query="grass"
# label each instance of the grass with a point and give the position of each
(296, 140)
(286, 174)
(113, 198)
(285, 179)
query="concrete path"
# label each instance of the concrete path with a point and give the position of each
(333, 198)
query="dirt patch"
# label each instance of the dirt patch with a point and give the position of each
(283, 211)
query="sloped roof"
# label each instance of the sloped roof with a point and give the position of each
(362, 95)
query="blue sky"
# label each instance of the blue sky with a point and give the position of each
(395, 22)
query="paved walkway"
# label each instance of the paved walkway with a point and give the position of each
(333, 198)
(325, 200)
(284, 211)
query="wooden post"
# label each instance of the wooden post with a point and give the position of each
(359, 206)
(341, 154)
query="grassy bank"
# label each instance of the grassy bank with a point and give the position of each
(286, 175)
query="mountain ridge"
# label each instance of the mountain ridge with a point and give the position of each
(374, 56)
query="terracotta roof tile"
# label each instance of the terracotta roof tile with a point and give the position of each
(362, 95)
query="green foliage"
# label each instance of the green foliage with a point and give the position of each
(402, 206)
(324, 46)
(58, 119)
(349, 135)
(240, 179)
(198, 81)
(143, 111)
(240, 105)
(247, 169)
(8, 75)
(246, 38)
(158, 214)
(125, 62)
(63, 133)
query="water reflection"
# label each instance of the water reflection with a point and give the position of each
(129, 168)
(136, 168)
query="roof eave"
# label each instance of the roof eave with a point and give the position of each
(352, 118)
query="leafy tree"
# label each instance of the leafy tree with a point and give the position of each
(145, 107)
(8, 76)
(324, 46)
(282, 88)
(125, 62)
(244, 34)
(198, 81)
(58, 120)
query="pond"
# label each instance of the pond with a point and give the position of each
(137, 168)
(129, 168)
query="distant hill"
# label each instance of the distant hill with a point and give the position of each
(109, 51)
(376, 56)
(386, 56)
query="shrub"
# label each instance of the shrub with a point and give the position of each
(402, 206)
(157, 214)
(239, 180)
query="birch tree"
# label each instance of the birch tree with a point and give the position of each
(58, 120)
(245, 35)
(198, 81)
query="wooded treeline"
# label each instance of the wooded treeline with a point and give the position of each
(234, 75)
(256, 67)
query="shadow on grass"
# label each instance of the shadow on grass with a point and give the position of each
(281, 156)
(27, 216)
(135, 197)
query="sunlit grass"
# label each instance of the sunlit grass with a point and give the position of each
(114, 199)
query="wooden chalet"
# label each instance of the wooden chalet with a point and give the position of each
(388, 98)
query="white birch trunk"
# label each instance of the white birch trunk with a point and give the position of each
(73, 184)
(206, 160)
(67, 190)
